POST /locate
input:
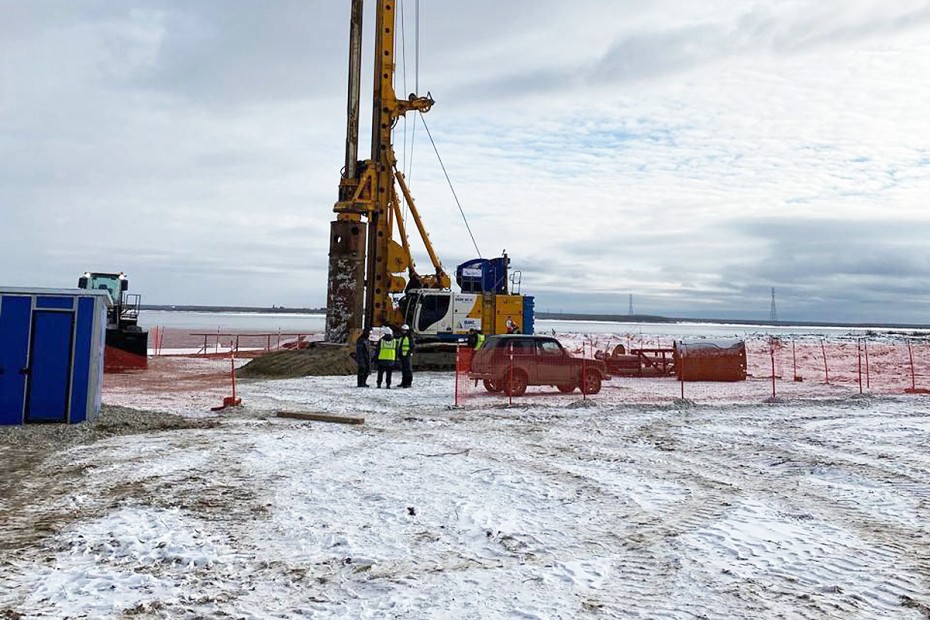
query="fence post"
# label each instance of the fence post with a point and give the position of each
(794, 357)
(681, 370)
(772, 355)
(826, 370)
(910, 354)
(868, 382)
(584, 374)
(458, 371)
(232, 367)
(859, 352)
(510, 378)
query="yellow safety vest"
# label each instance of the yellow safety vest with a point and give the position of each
(404, 345)
(480, 341)
(386, 352)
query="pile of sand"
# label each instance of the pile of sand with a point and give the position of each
(316, 361)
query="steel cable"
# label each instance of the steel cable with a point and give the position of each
(448, 180)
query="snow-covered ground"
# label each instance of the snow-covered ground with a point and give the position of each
(553, 508)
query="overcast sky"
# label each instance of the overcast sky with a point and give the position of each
(694, 154)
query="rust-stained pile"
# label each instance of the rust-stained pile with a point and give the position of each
(315, 361)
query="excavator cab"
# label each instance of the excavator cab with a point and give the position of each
(127, 342)
(114, 283)
(125, 310)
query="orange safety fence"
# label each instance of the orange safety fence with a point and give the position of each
(651, 371)
(268, 341)
(173, 341)
(156, 340)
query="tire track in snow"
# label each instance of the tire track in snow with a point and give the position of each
(673, 452)
(882, 540)
(633, 537)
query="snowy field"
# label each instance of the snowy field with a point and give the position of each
(809, 508)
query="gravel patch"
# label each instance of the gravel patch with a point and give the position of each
(112, 421)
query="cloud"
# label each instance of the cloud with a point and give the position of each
(693, 154)
(221, 52)
(673, 39)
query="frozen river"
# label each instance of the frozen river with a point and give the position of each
(311, 323)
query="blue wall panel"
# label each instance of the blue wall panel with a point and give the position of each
(15, 316)
(55, 303)
(82, 358)
(529, 314)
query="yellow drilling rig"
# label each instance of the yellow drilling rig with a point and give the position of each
(366, 264)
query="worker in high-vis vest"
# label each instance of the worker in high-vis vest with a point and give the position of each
(473, 342)
(405, 347)
(475, 339)
(387, 356)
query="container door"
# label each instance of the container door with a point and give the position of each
(14, 347)
(50, 366)
(508, 314)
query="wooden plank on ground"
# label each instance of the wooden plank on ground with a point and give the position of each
(321, 417)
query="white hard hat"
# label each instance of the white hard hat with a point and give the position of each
(405, 327)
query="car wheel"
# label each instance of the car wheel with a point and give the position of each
(567, 389)
(515, 384)
(491, 386)
(591, 383)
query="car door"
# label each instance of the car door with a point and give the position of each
(524, 355)
(553, 363)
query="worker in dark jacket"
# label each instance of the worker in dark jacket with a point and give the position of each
(363, 358)
(405, 347)
(387, 356)
(475, 339)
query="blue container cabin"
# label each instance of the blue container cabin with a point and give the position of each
(51, 354)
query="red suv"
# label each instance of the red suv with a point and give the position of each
(510, 363)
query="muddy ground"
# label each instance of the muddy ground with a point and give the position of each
(555, 507)
(33, 467)
(797, 511)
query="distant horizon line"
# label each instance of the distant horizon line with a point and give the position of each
(565, 316)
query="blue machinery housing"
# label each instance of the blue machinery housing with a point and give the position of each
(51, 354)
(483, 275)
